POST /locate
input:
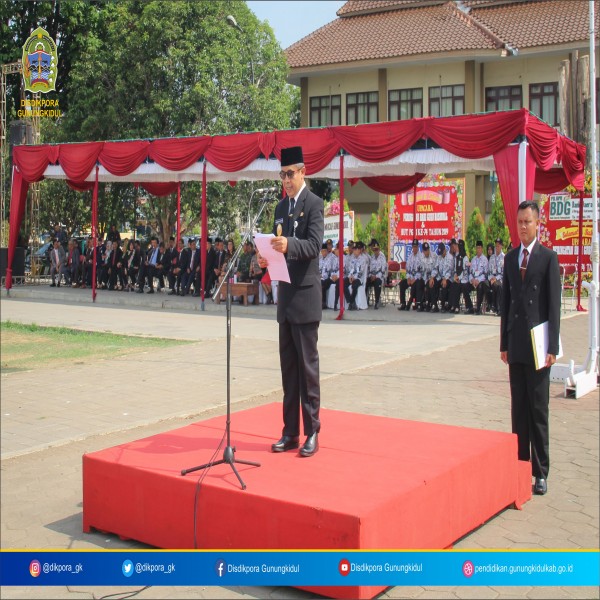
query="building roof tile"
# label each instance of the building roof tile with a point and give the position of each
(541, 23)
(370, 30)
(411, 31)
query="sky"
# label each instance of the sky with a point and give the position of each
(292, 20)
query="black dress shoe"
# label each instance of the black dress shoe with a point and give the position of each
(287, 442)
(541, 487)
(311, 445)
(402, 306)
(172, 293)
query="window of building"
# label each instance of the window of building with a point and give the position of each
(362, 107)
(325, 110)
(503, 98)
(543, 101)
(446, 100)
(405, 104)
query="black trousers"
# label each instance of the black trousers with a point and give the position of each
(430, 294)
(325, 285)
(530, 396)
(351, 289)
(444, 293)
(377, 285)
(482, 291)
(466, 289)
(495, 295)
(454, 294)
(299, 358)
(416, 291)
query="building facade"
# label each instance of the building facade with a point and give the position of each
(385, 60)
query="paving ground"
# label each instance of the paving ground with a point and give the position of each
(436, 368)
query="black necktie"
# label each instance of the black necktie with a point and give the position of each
(292, 206)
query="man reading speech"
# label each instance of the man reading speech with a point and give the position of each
(530, 296)
(298, 228)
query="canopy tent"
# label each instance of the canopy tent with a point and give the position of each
(390, 157)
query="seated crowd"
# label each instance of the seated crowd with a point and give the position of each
(361, 270)
(439, 280)
(127, 266)
(435, 280)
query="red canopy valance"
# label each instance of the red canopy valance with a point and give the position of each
(371, 149)
(468, 137)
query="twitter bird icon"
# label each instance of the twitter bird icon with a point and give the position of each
(127, 568)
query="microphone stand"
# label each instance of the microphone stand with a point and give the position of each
(229, 452)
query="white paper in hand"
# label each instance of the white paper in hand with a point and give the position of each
(277, 266)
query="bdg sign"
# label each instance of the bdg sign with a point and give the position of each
(559, 228)
(563, 207)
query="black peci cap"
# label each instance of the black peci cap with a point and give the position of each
(291, 156)
(415, 242)
(425, 246)
(499, 241)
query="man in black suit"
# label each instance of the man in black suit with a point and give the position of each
(530, 296)
(189, 268)
(298, 230)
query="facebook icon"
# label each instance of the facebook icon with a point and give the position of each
(220, 567)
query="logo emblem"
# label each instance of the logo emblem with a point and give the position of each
(40, 62)
(220, 567)
(468, 568)
(344, 567)
(127, 568)
(35, 568)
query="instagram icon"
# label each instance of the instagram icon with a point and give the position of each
(35, 568)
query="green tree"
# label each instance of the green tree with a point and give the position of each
(162, 69)
(496, 227)
(475, 231)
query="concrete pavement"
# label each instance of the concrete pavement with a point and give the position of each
(433, 368)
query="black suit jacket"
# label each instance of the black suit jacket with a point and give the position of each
(300, 300)
(528, 303)
(211, 261)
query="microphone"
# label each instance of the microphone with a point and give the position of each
(270, 190)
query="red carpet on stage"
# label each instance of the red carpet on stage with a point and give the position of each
(376, 483)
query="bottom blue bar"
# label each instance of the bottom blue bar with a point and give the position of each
(301, 568)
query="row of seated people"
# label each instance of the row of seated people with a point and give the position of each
(438, 281)
(127, 267)
(361, 272)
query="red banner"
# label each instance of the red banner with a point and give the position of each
(437, 215)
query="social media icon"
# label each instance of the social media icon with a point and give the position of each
(221, 567)
(127, 568)
(35, 568)
(468, 568)
(344, 567)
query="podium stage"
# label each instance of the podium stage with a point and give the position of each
(376, 483)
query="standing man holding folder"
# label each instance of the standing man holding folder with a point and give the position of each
(298, 229)
(530, 296)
